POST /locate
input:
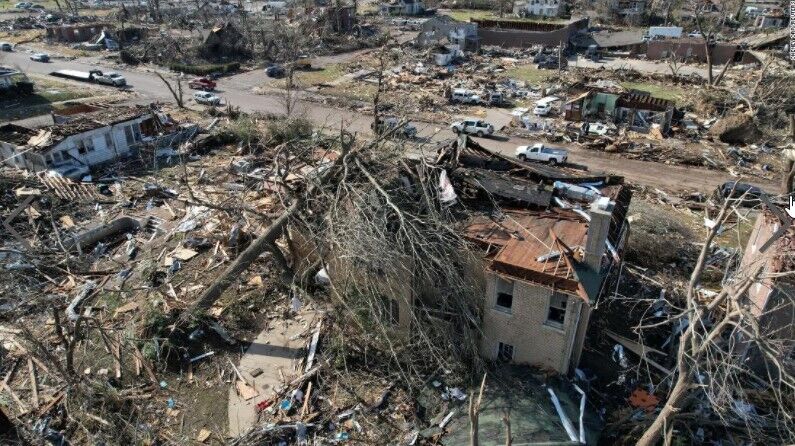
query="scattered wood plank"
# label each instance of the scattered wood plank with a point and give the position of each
(34, 386)
(310, 360)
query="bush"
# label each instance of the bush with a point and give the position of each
(283, 130)
(203, 70)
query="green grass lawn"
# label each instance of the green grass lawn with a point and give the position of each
(321, 76)
(47, 92)
(531, 74)
(670, 92)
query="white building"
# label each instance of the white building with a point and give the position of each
(538, 8)
(403, 7)
(86, 140)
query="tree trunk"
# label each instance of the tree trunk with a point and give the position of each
(708, 55)
(263, 243)
(653, 434)
(474, 414)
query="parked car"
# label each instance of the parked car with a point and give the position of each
(23, 5)
(206, 98)
(40, 57)
(275, 71)
(540, 152)
(386, 124)
(115, 79)
(71, 171)
(596, 128)
(751, 195)
(542, 109)
(473, 126)
(202, 83)
(464, 96)
(5, 46)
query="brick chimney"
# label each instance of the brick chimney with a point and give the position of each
(601, 212)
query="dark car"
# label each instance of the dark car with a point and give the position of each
(275, 71)
(747, 194)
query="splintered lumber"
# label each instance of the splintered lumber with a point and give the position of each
(310, 360)
(34, 387)
(640, 350)
(265, 242)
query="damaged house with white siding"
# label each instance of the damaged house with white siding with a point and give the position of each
(84, 141)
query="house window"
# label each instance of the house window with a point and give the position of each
(65, 155)
(137, 131)
(109, 140)
(504, 295)
(128, 135)
(85, 146)
(56, 156)
(556, 315)
(505, 352)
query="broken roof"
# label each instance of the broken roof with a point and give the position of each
(525, 236)
(539, 247)
(15, 134)
(52, 135)
(643, 100)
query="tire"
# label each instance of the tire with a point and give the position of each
(456, 130)
(553, 162)
(522, 157)
(480, 133)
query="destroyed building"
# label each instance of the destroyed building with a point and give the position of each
(637, 110)
(82, 32)
(84, 139)
(223, 41)
(771, 297)
(514, 33)
(446, 30)
(547, 251)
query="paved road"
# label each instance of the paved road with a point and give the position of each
(236, 90)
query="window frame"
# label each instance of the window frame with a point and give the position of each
(554, 323)
(502, 349)
(502, 287)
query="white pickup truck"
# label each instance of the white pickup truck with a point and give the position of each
(473, 126)
(540, 152)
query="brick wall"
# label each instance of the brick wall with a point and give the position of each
(523, 38)
(534, 342)
(694, 51)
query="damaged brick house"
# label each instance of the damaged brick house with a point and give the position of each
(772, 297)
(85, 139)
(547, 253)
(636, 109)
(540, 261)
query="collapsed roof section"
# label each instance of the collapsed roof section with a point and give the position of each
(538, 223)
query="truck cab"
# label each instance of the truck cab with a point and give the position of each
(540, 152)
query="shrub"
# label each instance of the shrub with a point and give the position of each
(283, 130)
